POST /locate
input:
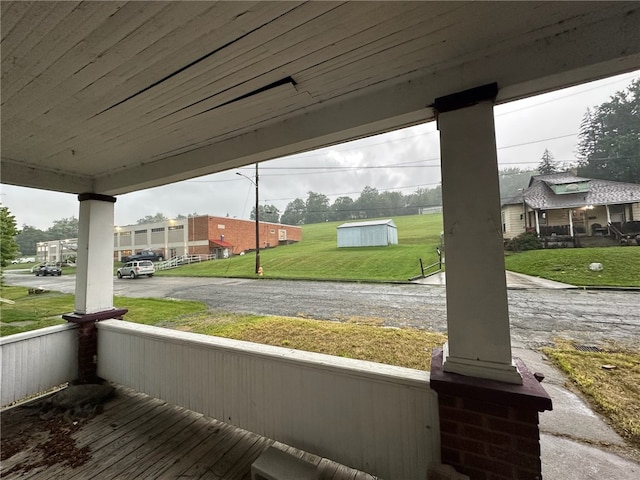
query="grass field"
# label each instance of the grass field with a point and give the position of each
(318, 257)
(31, 312)
(611, 382)
(621, 265)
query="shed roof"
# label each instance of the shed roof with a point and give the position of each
(368, 224)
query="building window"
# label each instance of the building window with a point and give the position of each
(272, 231)
(157, 230)
(125, 234)
(176, 227)
(140, 232)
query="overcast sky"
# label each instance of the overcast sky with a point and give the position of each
(400, 161)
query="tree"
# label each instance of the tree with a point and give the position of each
(513, 181)
(8, 232)
(158, 217)
(182, 216)
(268, 213)
(367, 202)
(342, 208)
(546, 166)
(63, 228)
(609, 146)
(391, 203)
(28, 237)
(423, 198)
(294, 213)
(317, 208)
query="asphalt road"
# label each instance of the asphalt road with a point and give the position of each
(537, 316)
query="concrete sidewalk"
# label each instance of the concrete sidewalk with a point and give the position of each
(576, 443)
(514, 281)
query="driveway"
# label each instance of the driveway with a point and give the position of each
(537, 315)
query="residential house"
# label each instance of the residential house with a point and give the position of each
(566, 205)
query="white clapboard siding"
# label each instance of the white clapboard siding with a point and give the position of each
(35, 361)
(377, 418)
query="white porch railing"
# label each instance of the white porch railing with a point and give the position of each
(377, 418)
(36, 361)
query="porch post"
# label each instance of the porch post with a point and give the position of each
(94, 274)
(608, 215)
(477, 312)
(94, 279)
(536, 211)
(488, 404)
(571, 222)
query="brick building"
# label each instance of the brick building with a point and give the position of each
(202, 235)
(207, 234)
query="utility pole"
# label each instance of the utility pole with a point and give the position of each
(255, 183)
(257, 225)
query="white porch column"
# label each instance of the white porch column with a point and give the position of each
(477, 309)
(537, 212)
(608, 214)
(571, 222)
(94, 274)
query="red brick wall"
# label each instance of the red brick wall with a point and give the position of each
(489, 441)
(489, 429)
(240, 233)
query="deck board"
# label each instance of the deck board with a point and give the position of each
(139, 437)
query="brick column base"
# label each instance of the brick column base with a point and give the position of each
(489, 429)
(88, 341)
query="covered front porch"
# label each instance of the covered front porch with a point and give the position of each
(106, 98)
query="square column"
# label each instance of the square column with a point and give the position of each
(94, 279)
(94, 274)
(477, 307)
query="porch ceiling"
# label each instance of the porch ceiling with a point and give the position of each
(111, 97)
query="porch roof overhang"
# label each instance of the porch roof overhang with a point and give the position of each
(219, 243)
(113, 97)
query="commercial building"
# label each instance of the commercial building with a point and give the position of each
(199, 235)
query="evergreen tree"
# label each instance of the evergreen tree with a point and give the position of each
(609, 145)
(8, 232)
(546, 166)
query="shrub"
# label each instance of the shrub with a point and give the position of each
(524, 241)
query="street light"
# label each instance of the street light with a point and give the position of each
(257, 218)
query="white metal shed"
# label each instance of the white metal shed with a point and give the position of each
(367, 234)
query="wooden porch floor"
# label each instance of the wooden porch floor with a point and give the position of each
(136, 437)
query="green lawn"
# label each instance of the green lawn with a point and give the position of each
(31, 312)
(318, 257)
(621, 265)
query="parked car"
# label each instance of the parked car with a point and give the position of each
(44, 270)
(136, 269)
(144, 255)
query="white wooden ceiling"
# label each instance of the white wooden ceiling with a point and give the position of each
(114, 96)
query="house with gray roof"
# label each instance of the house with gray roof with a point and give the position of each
(563, 204)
